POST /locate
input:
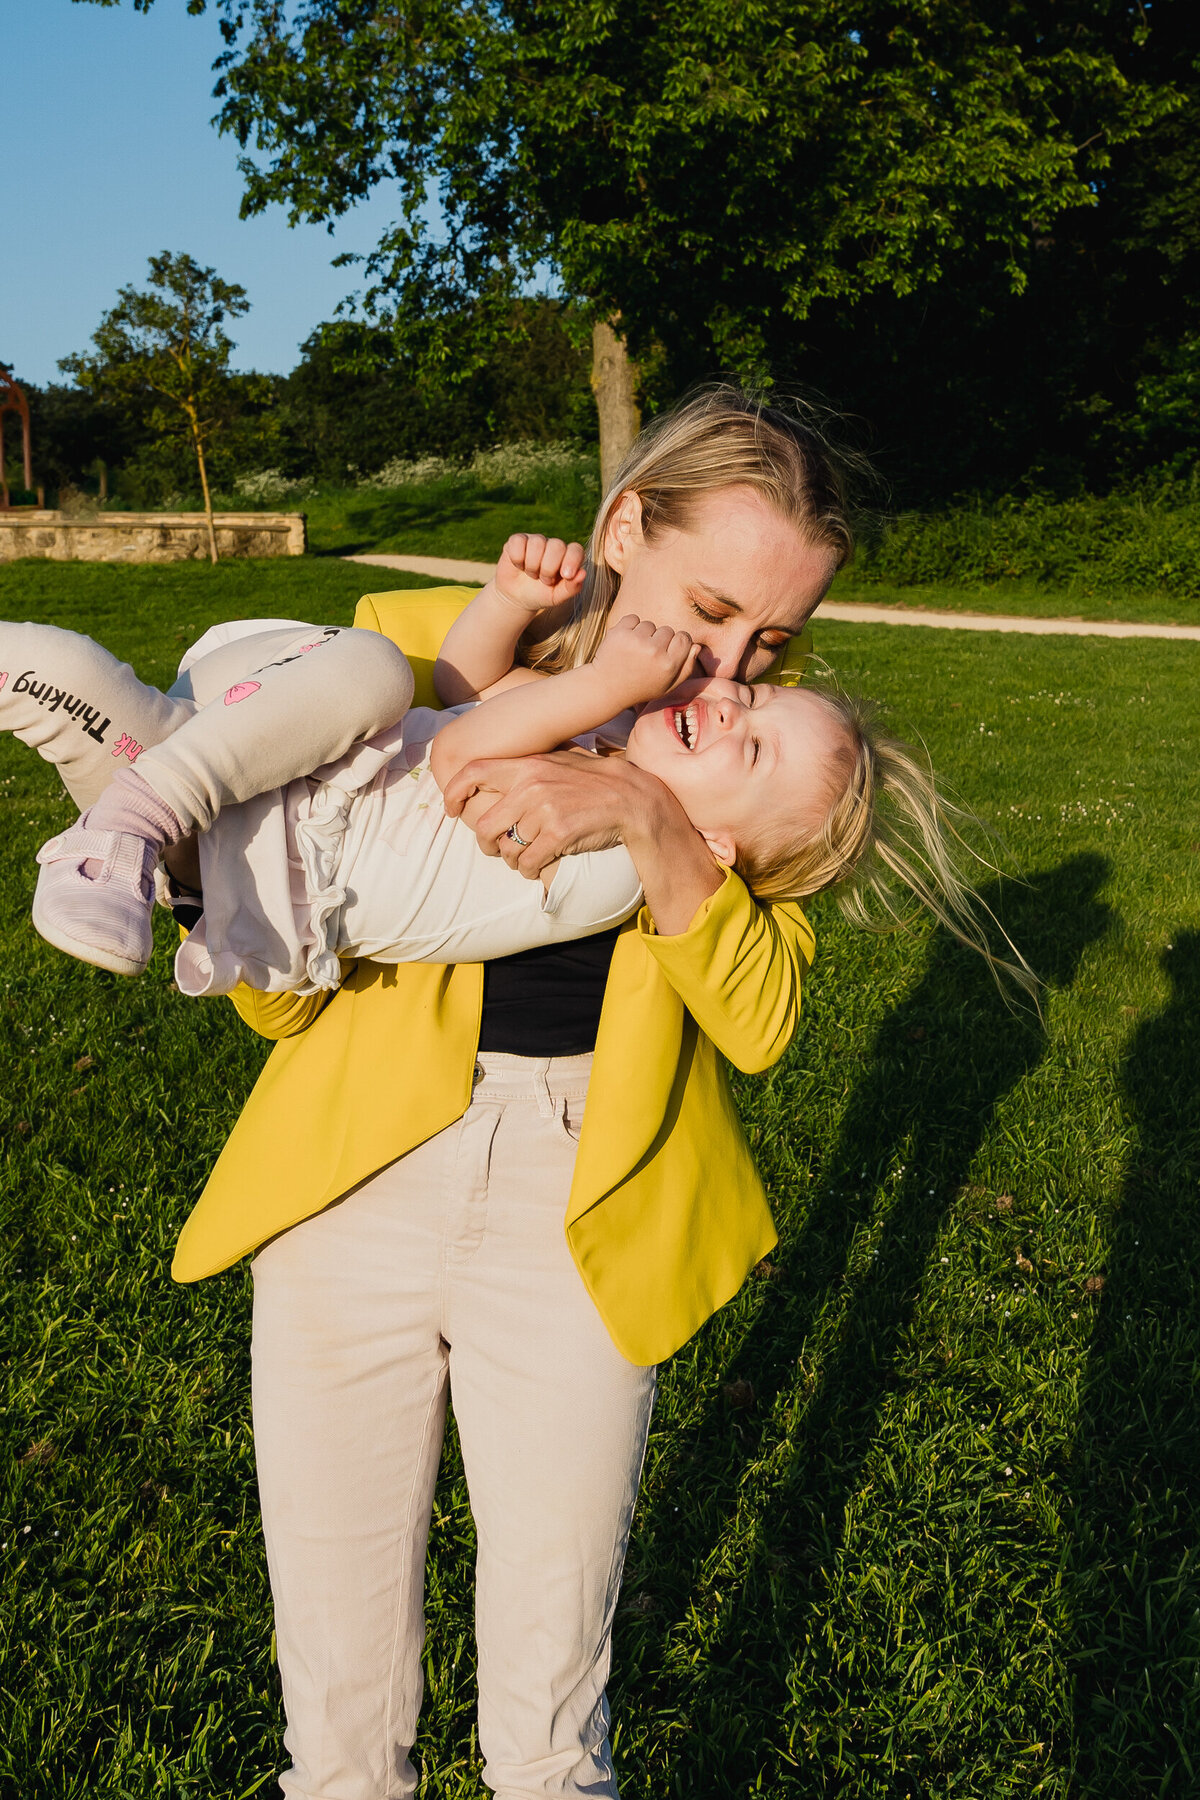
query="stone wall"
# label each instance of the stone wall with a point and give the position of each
(146, 537)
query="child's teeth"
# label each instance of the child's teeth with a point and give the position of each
(685, 725)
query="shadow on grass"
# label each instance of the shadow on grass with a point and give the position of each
(400, 515)
(1135, 1587)
(748, 1574)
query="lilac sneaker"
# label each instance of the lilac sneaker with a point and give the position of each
(102, 919)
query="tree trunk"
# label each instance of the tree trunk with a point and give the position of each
(614, 381)
(208, 507)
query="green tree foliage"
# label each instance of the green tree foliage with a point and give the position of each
(710, 171)
(1085, 380)
(77, 439)
(351, 404)
(163, 352)
(74, 434)
(354, 401)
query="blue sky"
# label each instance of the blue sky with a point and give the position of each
(110, 158)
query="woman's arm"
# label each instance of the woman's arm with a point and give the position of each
(566, 804)
(738, 967)
(276, 1016)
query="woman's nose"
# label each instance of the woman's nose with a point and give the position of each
(725, 662)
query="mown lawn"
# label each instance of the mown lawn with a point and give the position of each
(920, 1514)
(462, 518)
(468, 519)
(1024, 599)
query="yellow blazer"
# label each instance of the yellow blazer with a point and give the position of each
(666, 1214)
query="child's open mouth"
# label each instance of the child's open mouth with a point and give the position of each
(686, 720)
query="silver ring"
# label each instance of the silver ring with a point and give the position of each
(516, 837)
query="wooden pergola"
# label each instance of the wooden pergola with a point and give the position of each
(12, 399)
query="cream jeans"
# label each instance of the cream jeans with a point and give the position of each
(447, 1273)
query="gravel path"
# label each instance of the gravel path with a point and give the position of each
(853, 612)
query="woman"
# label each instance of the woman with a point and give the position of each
(411, 1152)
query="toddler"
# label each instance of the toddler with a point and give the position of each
(315, 789)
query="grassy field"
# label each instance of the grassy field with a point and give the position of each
(467, 518)
(150, 613)
(921, 1506)
(1022, 599)
(446, 518)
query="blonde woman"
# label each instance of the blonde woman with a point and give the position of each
(519, 1186)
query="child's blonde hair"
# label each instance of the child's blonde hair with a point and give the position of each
(721, 437)
(888, 838)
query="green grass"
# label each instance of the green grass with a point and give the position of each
(1021, 599)
(150, 612)
(1094, 548)
(950, 564)
(455, 517)
(920, 1509)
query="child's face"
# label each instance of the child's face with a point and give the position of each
(749, 765)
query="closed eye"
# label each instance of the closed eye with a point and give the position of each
(757, 751)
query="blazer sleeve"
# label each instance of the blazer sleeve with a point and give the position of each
(276, 1016)
(738, 968)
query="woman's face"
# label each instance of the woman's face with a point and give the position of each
(740, 579)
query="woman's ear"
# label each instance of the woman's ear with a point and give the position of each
(722, 846)
(622, 530)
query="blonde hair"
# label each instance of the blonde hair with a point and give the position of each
(721, 437)
(889, 838)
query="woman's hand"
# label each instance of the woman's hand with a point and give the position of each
(560, 804)
(563, 804)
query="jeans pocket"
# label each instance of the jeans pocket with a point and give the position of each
(569, 1114)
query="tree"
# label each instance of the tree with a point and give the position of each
(1085, 378)
(167, 345)
(699, 173)
(353, 402)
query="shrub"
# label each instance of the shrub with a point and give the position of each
(1111, 544)
(270, 485)
(526, 464)
(419, 471)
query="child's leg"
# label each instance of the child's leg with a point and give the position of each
(78, 707)
(295, 700)
(300, 699)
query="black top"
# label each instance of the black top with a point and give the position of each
(546, 1001)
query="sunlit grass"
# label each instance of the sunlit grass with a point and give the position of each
(1023, 599)
(458, 516)
(921, 1505)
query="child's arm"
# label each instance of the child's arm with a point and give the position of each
(533, 574)
(637, 662)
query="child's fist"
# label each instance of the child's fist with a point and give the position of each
(536, 572)
(646, 660)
